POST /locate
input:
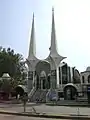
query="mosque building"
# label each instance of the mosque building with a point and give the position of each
(50, 77)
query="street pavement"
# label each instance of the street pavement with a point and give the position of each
(42, 108)
(12, 117)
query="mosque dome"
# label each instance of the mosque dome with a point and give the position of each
(88, 68)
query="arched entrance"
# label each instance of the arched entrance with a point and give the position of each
(43, 79)
(70, 92)
(20, 90)
(43, 75)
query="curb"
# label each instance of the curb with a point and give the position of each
(72, 105)
(47, 115)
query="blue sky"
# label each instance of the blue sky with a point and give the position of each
(72, 22)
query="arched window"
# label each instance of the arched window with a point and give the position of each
(64, 74)
(82, 79)
(89, 79)
(76, 76)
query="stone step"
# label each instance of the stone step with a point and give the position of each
(39, 95)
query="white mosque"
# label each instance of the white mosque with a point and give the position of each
(50, 77)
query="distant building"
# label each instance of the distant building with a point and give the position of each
(85, 80)
(85, 76)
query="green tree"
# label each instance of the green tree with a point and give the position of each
(13, 64)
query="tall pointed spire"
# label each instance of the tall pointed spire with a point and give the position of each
(32, 47)
(53, 48)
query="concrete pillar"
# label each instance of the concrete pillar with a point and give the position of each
(61, 75)
(50, 80)
(30, 80)
(53, 79)
(68, 74)
(47, 84)
(39, 82)
(57, 76)
(33, 79)
(71, 72)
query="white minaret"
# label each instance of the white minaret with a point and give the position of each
(32, 60)
(32, 47)
(54, 50)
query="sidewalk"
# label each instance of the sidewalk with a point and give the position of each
(69, 103)
(46, 109)
(44, 115)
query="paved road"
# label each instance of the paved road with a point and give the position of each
(10, 117)
(47, 109)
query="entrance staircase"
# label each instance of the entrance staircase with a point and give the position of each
(31, 94)
(39, 96)
(35, 95)
(43, 95)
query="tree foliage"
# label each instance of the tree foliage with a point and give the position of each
(9, 62)
(13, 64)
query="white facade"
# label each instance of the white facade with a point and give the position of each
(85, 77)
(56, 77)
(53, 59)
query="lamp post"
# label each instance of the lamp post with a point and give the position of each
(24, 99)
